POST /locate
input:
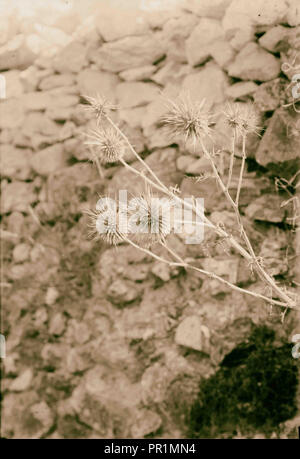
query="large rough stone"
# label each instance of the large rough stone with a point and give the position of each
(12, 113)
(267, 208)
(242, 13)
(71, 59)
(293, 13)
(254, 63)
(174, 33)
(128, 52)
(16, 196)
(209, 83)
(115, 23)
(15, 162)
(90, 82)
(281, 141)
(16, 54)
(198, 43)
(172, 73)
(49, 160)
(135, 94)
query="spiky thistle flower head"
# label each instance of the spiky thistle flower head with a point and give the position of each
(106, 144)
(242, 119)
(103, 222)
(187, 118)
(99, 105)
(149, 218)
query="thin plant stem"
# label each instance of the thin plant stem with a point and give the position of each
(241, 172)
(231, 161)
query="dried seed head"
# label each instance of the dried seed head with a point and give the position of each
(104, 226)
(99, 106)
(242, 119)
(107, 145)
(149, 218)
(187, 118)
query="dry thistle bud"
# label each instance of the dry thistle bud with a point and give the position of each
(242, 119)
(150, 218)
(104, 225)
(107, 145)
(187, 118)
(99, 106)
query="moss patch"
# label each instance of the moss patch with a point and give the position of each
(254, 390)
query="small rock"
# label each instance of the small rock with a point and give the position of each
(266, 208)
(49, 160)
(174, 33)
(242, 89)
(270, 95)
(193, 334)
(16, 196)
(55, 81)
(40, 317)
(224, 267)
(90, 82)
(254, 63)
(135, 94)
(198, 44)
(222, 52)
(207, 8)
(139, 73)
(113, 24)
(21, 253)
(57, 324)
(293, 13)
(161, 270)
(172, 72)
(145, 422)
(43, 414)
(274, 38)
(15, 54)
(242, 14)
(15, 162)
(12, 113)
(132, 116)
(209, 83)
(31, 77)
(155, 382)
(121, 292)
(281, 141)
(23, 381)
(51, 296)
(71, 59)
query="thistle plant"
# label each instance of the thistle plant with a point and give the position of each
(193, 122)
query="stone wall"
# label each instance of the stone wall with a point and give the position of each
(97, 339)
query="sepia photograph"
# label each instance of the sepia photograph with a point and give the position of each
(150, 222)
